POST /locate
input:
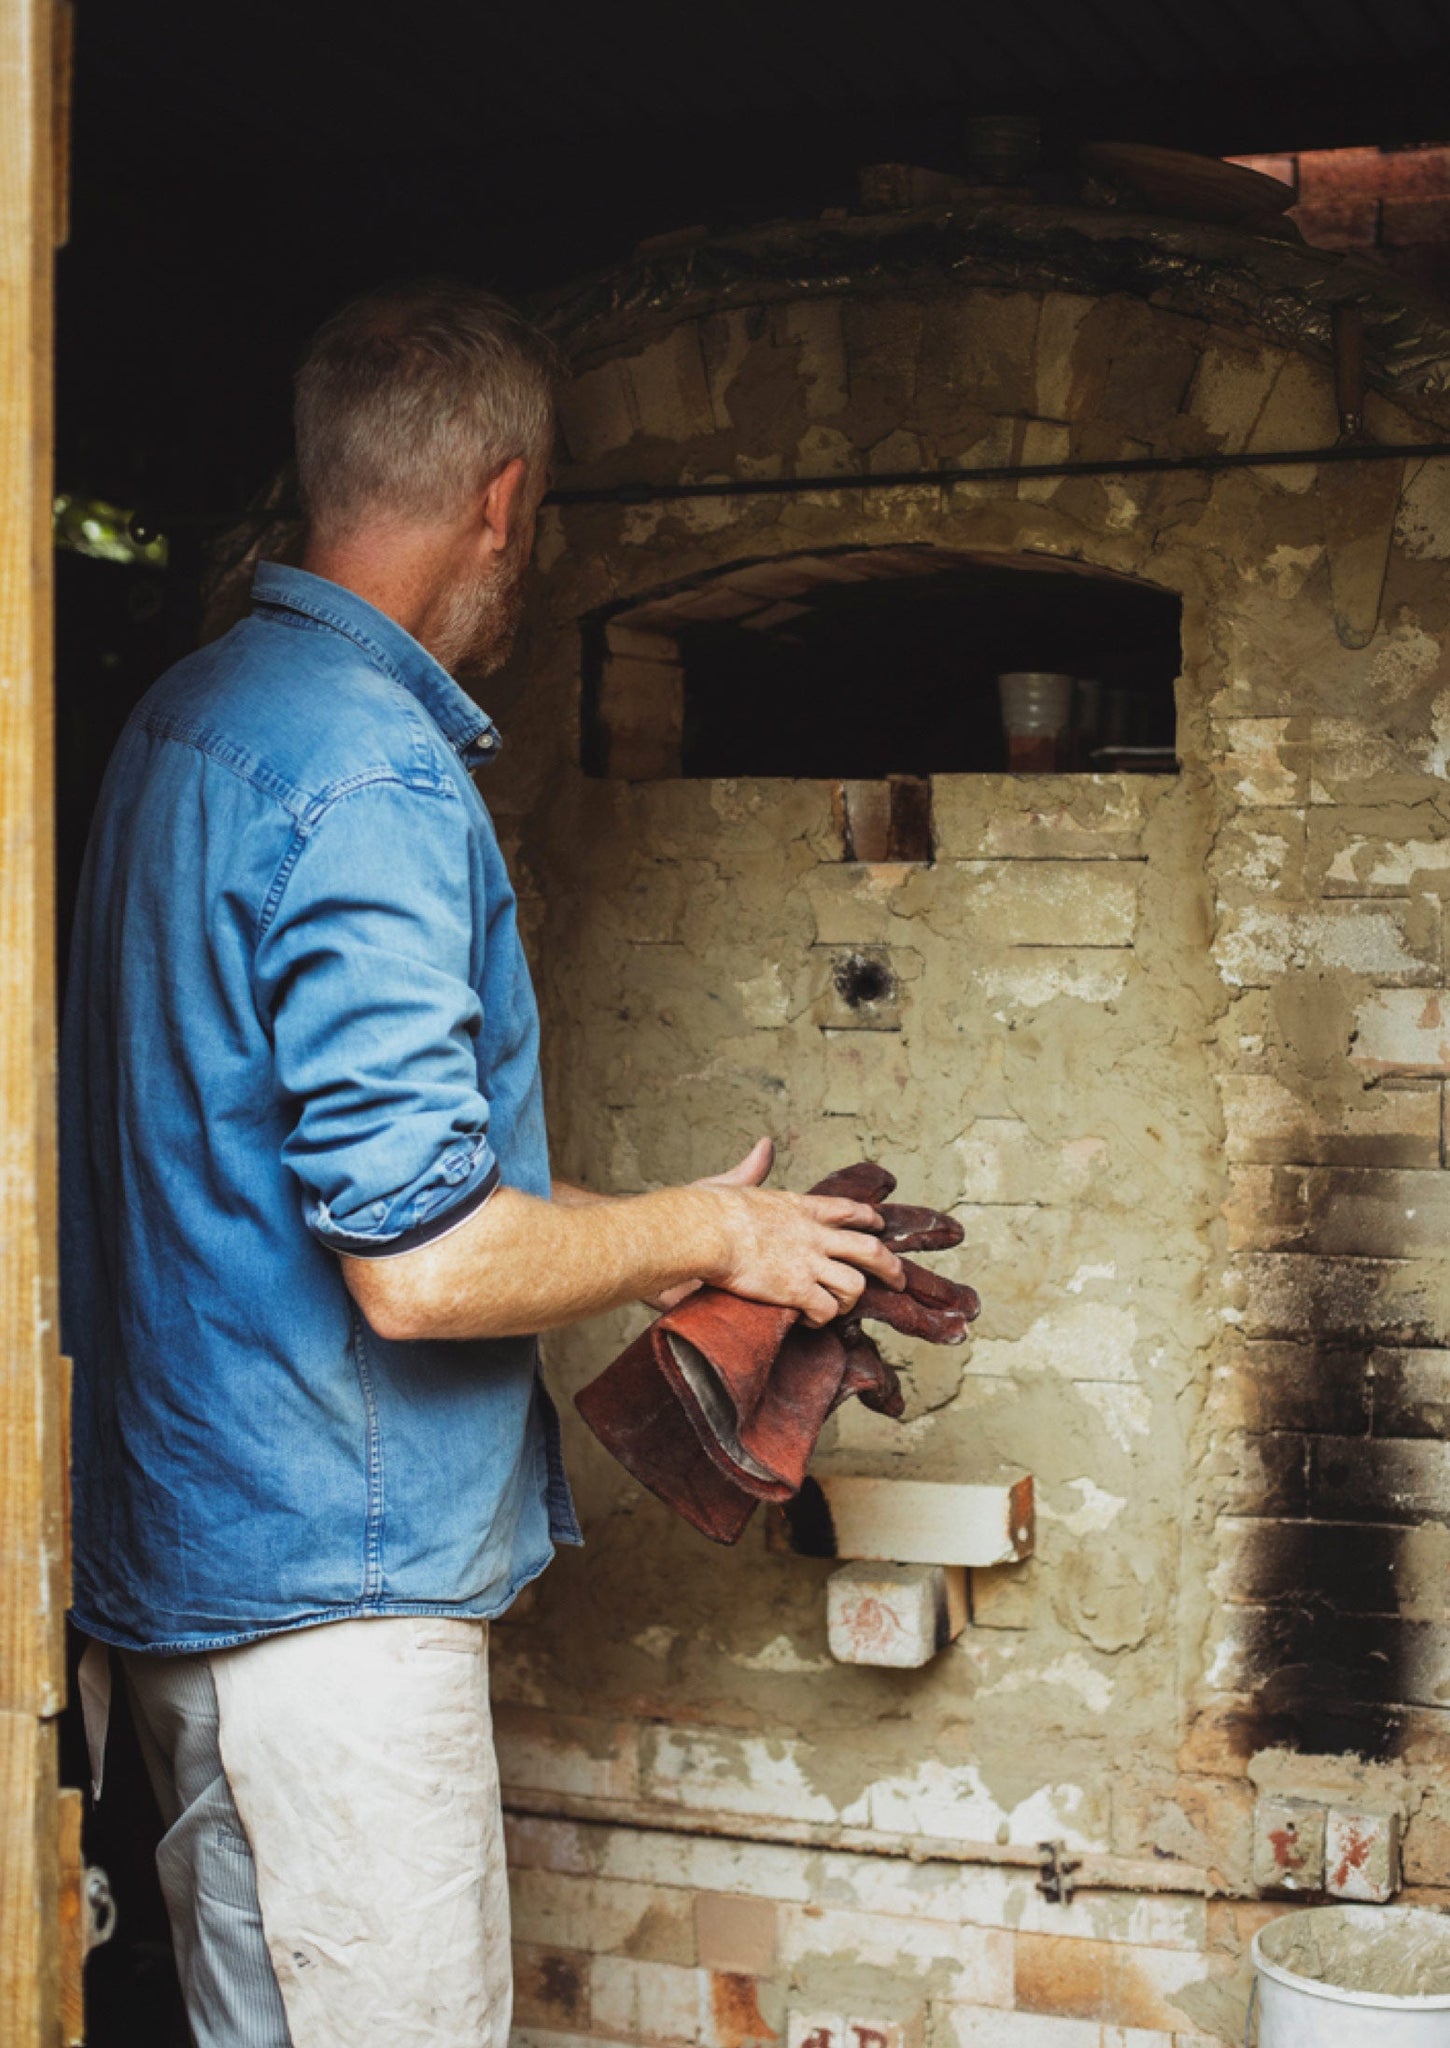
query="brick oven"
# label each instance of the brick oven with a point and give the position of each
(1167, 1029)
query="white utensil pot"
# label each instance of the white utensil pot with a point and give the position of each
(1294, 2011)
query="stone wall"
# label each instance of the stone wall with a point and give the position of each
(1171, 1048)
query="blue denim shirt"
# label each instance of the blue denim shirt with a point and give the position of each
(299, 1022)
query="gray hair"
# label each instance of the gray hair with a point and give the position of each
(411, 398)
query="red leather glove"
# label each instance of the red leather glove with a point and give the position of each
(719, 1403)
(939, 1310)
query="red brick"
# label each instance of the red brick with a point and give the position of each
(1413, 173)
(1339, 223)
(1362, 1855)
(1288, 1845)
(1415, 223)
(1336, 174)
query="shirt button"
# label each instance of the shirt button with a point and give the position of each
(487, 742)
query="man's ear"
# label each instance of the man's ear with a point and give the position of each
(503, 506)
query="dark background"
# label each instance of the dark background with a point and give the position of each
(237, 172)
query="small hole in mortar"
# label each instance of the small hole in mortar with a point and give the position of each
(861, 980)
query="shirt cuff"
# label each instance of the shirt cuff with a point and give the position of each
(439, 1224)
(436, 1226)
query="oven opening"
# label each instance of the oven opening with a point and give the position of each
(868, 663)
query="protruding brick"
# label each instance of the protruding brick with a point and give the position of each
(894, 1615)
(1033, 977)
(917, 1521)
(865, 811)
(1062, 315)
(815, 328)
(885, 820)
(1288, 1845)
(1258, 859)
(553, 1910)
(965, 1961)
(1362, 1854)
(856, 905)
(1043, 442)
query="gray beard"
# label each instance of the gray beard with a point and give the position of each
(478, 625)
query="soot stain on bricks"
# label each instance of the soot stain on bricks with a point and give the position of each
(861, 980)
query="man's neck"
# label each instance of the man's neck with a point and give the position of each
(385, 571)
(406, 571)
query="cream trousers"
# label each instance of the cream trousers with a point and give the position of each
(359, 1758)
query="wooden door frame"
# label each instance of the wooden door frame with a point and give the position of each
(34, 1564)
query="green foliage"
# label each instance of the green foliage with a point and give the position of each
(89, 526)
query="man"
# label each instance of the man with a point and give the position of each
(310, 1231)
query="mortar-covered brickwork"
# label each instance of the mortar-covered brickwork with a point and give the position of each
(1171, 1048)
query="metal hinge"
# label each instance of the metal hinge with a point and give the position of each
(1054, 1873)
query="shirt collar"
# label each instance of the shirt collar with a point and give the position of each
(388, 646)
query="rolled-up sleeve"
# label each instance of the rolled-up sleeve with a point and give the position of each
(363, 976)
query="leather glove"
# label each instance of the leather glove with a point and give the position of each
(718, 1405)
(932, 1307)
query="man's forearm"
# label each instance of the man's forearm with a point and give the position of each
(519, 1265)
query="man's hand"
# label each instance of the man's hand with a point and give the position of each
(809, 1252)
(749, 1173)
